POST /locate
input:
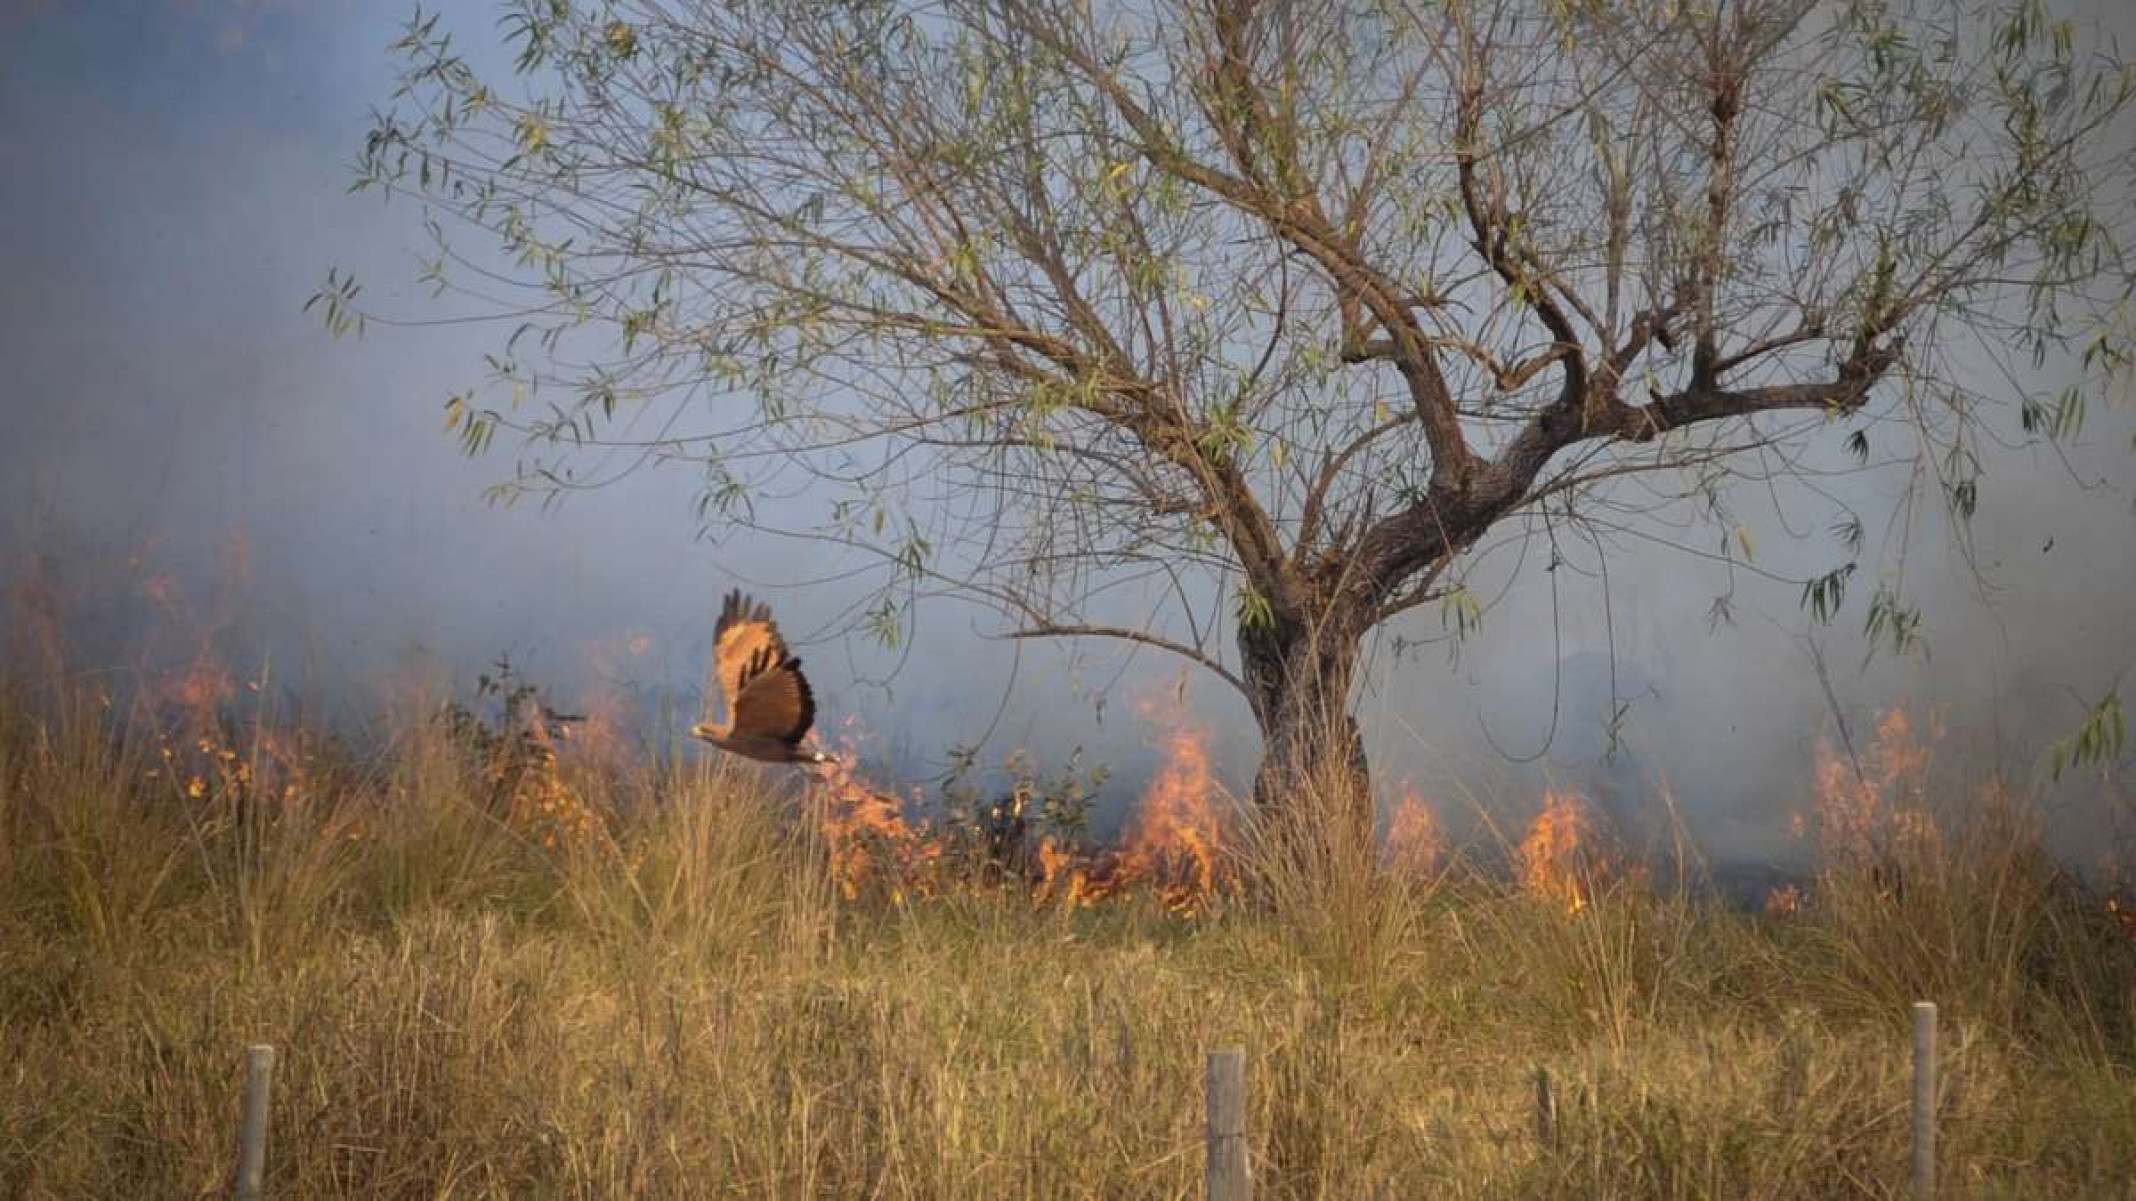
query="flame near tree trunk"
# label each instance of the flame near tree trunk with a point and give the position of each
(1173, 846)
(1870, 812)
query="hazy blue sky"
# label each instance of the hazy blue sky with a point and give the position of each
(176, 188)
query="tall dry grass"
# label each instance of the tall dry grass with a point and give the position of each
(671, 1000)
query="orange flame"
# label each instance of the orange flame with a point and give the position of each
(202, 689)
(1174, 844)
(1869, 814)
(1172, 847)
(600, 733)
(1414, 846)
(1059, 868)
(537, 798)
(1558, 858)
(873, 849)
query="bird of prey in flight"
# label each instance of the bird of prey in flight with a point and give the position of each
(769, 705)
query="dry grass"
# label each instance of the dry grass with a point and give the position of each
(676, 1004)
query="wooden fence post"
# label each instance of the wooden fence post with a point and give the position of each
(1229, 1178)
(1924, 1101)
(1545, 1109)
(252, 1135)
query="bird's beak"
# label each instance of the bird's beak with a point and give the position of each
(701, 730)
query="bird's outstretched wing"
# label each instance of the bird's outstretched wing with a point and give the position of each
(775, 700)
(766, 694)
(745, 627)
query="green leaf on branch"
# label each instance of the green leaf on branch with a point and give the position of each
(2097, 741)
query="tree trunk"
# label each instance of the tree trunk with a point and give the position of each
(1313, 755)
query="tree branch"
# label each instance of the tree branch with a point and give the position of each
(1121, 632)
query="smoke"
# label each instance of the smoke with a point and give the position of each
(2025, 626)
(169, 404)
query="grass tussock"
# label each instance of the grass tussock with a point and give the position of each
(611, 978)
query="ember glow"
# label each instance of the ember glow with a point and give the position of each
(1784, 901)
(2123, 914)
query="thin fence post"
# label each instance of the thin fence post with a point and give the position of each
(1228, 1178)
(252, 1135)
(1924, 1101)
(1545, 1108)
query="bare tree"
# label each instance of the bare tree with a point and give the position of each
(1271, 309)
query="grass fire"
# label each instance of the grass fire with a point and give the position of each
(509, 950)
(1494, 600)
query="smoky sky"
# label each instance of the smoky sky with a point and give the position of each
(177, 186)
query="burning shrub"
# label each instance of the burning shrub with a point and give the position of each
(1033, 837)
(874, 851)
(513, 755)
(1011, 838)
(1173, 846)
